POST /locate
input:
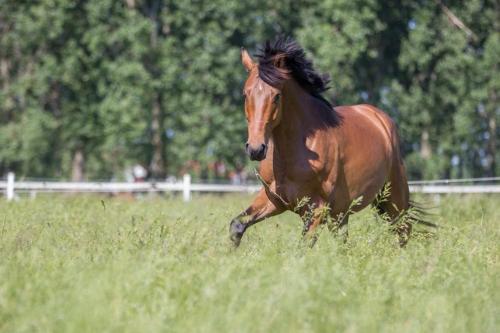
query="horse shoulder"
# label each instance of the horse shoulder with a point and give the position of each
(324, 159)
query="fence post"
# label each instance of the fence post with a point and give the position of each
(186, 187)
(10, 186)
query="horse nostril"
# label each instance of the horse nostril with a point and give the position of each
(262, 147)
(246, 145)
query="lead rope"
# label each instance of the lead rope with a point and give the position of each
(268, 189)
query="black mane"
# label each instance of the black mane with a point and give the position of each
(283, 58)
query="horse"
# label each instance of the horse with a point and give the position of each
(333, 156)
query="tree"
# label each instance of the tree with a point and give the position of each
(88, 88)
(441, 95)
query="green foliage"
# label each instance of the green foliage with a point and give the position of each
(94, 264)
(158, 82)
(439, 88)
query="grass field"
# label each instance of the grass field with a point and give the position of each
(95, 264)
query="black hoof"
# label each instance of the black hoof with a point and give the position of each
(236, 230)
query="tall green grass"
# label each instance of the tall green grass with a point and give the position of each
(95, 264)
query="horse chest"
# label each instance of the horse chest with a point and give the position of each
(294, 166)
(299, 179)
(301, 169)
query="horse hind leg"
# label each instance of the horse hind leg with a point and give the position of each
(338, 225)
(393, 203)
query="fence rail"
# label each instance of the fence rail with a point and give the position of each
(455, 181)
(186, 187)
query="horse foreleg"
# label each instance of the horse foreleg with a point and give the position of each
(260, 209)
(312, 216)
(338, 225)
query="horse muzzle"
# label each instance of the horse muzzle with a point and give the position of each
(257, 153)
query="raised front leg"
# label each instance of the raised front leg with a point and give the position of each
(260, 209)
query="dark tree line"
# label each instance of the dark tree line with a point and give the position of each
(89, 88)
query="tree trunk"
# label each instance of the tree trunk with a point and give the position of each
(425, 147)
(157, 165)
(130, 3)
(492, 136)
(78, 165)
(5, 80)
(4, 72)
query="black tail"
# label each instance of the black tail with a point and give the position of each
(418, 214)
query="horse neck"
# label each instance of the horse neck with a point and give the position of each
(297, 120)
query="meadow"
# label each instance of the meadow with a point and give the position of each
(98, 264)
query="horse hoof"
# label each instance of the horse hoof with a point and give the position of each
(236, 240)
(236, 230)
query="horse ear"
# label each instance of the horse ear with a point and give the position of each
(280, 61)
(246, 60)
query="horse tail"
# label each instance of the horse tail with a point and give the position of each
(418, 213)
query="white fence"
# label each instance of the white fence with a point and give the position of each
(186, 187)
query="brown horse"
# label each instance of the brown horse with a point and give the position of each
(308, 149)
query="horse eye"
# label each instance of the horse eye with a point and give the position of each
(276, 98)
